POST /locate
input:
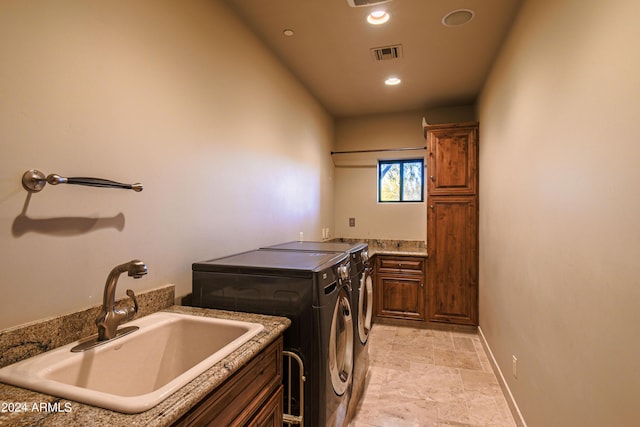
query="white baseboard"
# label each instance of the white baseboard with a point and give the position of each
(513, 405)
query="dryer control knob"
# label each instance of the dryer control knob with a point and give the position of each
(343, 272)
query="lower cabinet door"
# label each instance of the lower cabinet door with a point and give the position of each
(401, 297)
(271, 413)
(452, 243)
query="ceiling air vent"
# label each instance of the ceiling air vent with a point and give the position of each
(387, 52)
(359, 3)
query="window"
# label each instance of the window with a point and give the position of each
(401, 180)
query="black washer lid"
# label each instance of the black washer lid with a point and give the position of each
(274, 260)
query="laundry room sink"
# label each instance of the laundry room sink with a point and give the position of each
(135, 372)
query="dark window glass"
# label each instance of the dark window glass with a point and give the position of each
(401, 180)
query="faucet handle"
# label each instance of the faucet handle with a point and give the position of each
(135, 303)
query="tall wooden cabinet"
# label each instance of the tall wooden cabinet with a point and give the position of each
(452, 223)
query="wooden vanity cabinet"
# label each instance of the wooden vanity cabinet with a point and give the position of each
(250, 397)
(400, 287)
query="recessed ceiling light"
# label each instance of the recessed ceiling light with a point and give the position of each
(378, 17)
(392, 81)
(288, 32)
(458, 17)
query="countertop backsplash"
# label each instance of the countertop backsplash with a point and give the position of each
(24, 341)
(384, 246)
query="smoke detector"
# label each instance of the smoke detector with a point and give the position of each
(360, 3)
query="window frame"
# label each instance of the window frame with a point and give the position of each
(401, 163)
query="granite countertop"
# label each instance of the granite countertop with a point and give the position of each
(62, 412)
(391, 247)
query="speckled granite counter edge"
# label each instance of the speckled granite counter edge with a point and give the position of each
(164, 413)
(422, 254)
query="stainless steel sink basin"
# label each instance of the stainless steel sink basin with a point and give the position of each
(135, 372)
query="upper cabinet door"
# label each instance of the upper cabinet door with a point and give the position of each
(452, 160)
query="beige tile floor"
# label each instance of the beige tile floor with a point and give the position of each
(430, 378)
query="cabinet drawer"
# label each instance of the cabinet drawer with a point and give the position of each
(238, 399)
(401, 264)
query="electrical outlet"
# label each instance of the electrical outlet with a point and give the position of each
(352, 222)
(514, 365)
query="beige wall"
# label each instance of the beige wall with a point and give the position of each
(232, 151)
(559, 228)
(356, 177)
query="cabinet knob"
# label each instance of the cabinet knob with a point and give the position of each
(431, 206)
(432, 178)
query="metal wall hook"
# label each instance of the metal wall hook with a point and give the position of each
(33, 181)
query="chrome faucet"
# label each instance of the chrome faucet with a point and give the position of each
(111, 317)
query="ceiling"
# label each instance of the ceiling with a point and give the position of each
(330, 50)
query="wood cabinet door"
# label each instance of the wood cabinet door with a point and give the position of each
(452, 244)
(452, 161)
(271, 413)
(401, 297)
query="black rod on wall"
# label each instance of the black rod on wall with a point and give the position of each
(377, 150)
